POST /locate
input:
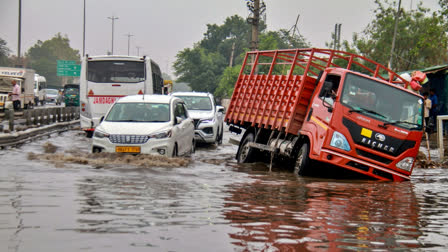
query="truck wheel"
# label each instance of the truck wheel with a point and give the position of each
(245, 153)
(303, 160)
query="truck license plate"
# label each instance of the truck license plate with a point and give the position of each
(128, 149)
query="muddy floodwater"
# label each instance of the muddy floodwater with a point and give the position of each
(63, 199)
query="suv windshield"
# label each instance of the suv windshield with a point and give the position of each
(382, 102)
(139, 112)
(116, 71)
(197, 102)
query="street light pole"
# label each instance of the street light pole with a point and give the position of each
(19, 62)
(129, 40)
(113, 21)
(84, 32)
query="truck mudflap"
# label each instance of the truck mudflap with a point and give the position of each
(361, 166)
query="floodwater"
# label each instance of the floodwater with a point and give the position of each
(71, 201)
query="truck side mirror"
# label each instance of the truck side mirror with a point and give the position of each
(327, 93)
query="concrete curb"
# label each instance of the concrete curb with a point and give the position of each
(21, 137)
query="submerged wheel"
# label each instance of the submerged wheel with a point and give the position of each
(303, 159)
(246, 153)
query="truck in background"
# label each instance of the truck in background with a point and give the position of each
(25, 79)
(321, 105)
(40, 85)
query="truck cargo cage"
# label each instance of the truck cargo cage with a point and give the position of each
(274, 87)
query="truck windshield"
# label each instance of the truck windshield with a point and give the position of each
(109, 71)
(382, 102)
(197, 102)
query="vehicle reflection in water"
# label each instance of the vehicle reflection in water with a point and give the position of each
(300, 214)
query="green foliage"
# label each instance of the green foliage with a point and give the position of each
(43, 57)
(421, 38)
(4, 53)
(199, 68)
(206, 65)
(227, 82)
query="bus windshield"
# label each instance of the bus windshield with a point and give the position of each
(116, 71)
(382, 102)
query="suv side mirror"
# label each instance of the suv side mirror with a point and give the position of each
(177, 120)
(220, 109)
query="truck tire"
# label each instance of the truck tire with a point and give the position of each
(245, 153)
(301, 166)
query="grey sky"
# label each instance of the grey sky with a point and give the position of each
(162, 28)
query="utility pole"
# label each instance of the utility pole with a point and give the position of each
(337, 36)
(138, 50)
(84, 31)
(129, 40)
(19, 60)
(397, 16)
(113, 21)
(231, 54)
(257, 10)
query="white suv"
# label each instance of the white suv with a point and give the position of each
(207, 116)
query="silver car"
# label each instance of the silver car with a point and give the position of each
(208, 117)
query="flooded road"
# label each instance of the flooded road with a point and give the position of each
(206, 203)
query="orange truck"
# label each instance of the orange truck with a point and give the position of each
(321, 105)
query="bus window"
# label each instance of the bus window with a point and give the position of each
(116, 71)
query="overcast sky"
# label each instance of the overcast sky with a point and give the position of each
(162, 28)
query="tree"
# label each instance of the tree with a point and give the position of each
(227, 82)
(4, 53)
(421, 39)
(43, 57)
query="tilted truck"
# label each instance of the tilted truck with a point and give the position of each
(25, 79)
(321, 105)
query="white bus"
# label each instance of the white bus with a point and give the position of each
(105, 79)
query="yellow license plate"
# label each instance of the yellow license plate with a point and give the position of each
(128, 149)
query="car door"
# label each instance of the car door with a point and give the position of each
(183, 129)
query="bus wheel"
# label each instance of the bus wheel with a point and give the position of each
(246, 153)
(303, 160)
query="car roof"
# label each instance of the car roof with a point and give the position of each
(199, 94)
(146, 99)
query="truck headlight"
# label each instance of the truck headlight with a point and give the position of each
(162, 134)
(406, 164)
(100, 134)
(339, 141)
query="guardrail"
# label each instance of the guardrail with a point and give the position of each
(41, 117)
(440, 120)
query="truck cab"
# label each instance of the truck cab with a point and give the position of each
(364, 124)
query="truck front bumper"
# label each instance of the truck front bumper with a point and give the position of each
(361, 166)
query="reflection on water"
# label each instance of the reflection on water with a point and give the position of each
(283, 213)
(210, 204)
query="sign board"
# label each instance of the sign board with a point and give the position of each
(68, 68)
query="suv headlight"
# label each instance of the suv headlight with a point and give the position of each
(100, 134)
(339, 141)
(406, 164)
(160, 135)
